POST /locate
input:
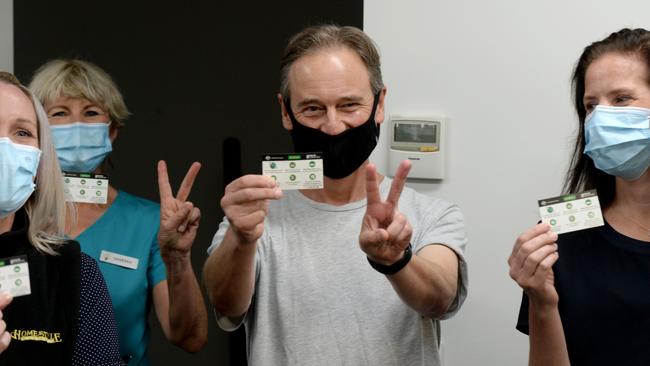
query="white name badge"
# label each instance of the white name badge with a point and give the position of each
(85, 187)
(118, 259)
(14, 276)
(294, 170)
(572, 212)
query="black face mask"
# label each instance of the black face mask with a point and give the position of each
(343, 153)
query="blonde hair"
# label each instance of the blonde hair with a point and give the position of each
(79, 79)
(46, 208)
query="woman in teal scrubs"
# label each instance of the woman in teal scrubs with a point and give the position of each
(143, 248)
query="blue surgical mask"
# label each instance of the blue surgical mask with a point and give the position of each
(18, 167)
(81, 146)
(617, 139)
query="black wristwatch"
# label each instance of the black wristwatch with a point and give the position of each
(395, 267)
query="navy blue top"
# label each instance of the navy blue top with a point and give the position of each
(97, 340)
(603, 281)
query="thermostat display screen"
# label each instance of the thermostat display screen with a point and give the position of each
(418, 133)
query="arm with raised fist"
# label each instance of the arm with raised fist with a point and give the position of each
(229, 272)
(531, 266)
(428, 281)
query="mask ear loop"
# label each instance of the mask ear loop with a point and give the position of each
(374, 111)
(292, 117)
(287, 107)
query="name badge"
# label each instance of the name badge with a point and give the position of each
(14, 276)
(118, 259)
(572, 212)
(85, 187)
(294, 170)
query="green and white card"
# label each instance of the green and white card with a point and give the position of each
(85, 187)
(572, 212)
(14, 276)
(294, 170)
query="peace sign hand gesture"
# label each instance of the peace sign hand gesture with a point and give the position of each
(179, 219)
(385, 232)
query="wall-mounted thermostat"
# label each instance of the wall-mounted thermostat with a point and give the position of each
(420, 140)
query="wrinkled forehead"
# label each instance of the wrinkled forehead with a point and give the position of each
(337, 70)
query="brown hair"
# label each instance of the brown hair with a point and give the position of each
(582, 173)
(318, 37)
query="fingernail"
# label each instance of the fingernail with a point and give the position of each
(181, 229)
(278, 193)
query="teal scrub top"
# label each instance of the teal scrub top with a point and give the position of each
(129, 228)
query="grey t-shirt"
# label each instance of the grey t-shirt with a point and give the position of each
(317, 301)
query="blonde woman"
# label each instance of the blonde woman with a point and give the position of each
(66, 316)
(143, 248)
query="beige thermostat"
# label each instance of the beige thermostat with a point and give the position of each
(419, 140)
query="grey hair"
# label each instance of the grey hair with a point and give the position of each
(319, 37)
(46, 207)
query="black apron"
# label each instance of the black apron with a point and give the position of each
(44, 324)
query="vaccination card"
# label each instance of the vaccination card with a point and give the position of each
(294, 170)
(14, 276)
(85, 187)
(572, 212)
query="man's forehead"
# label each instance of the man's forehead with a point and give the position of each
(337, 72)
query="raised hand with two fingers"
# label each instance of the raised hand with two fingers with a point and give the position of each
(179, 219)
(385, 232)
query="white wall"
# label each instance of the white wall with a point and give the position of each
(7, 35)
(500, 71)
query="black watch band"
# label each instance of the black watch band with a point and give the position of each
(395, 267)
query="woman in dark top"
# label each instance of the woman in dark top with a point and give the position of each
(586, 297)
(61, 314)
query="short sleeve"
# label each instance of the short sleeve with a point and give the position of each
(97, 341)
(224, 322)
(219, 235)
(156, 272)
(522, 322)
(446, 226)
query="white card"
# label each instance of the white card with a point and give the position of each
(572, 212)
(85, 187)
(294, 170)
(14, 276)
(118, 259)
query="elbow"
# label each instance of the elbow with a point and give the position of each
(229, 309)
(226, 303)
(192, 343)
(439, 306)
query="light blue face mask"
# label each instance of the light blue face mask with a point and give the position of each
(81, 146)
(18, 166)
(617, 139)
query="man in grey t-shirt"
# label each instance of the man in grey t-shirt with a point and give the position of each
(357, 273)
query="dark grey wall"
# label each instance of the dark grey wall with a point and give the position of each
(193, 75)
